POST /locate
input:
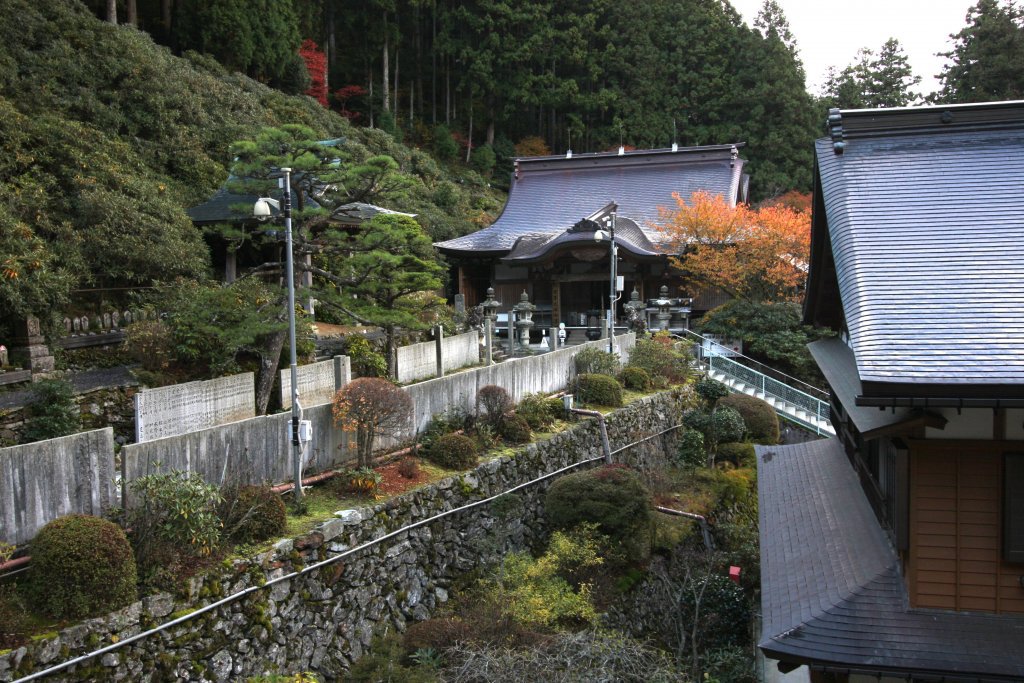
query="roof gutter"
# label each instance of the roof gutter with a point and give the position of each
(936, 402)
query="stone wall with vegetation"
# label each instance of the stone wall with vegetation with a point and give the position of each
(324, 620)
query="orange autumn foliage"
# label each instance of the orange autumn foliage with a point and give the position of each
(753, 254)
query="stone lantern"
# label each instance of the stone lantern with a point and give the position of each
(635, 312)
(524, 318)
(490, 306)
(664, 306)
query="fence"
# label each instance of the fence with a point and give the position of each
(417, 361)
(181, 408)
(42, 481)
(317, 381)
(253, 450)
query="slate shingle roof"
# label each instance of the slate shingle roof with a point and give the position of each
(550, 194)
(831, 589)
(925, 213)
(628, 236)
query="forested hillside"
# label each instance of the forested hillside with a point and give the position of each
(108, 138)
(582, 74)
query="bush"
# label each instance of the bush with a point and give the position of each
(366, 362)
(635, 378)
(691, 451)
(594, 361)
(495, 402)
(720, 426)
(385, 662)
(613, 497)
(482, 159)
(173, 511)
(659, 357)
(445, 148)
(540, 412)
(759, 417)
(710, 391)
(361, 481)
(515, 429)
(454, 452)
(81, 566)
(371, 407)
(740, 454)
(252, 513)
(409, 468)
(724, 612)
(601, 390)
(437, 634)
(53, 411)
(149, 343)
(451, 420)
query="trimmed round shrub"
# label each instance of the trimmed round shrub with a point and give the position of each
(728, 425)
(635, 378)
(691, 451)
(740, 454)
(515, 429)
(454, 452)
(711, 390)
(81, 566)
(594, 361)
(252, 513)
(495, 402)
(602, 390)
(759, 417)
(613, 497)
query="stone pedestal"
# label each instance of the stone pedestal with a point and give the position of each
(28, 340)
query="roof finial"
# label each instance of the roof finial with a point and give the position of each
(835, 128)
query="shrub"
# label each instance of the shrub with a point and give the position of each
(149, 343)
(81, 566)
(454, 452)
(691, 451)
(724, 611)
(451, 420)
(371, 407)
(174, 511)
(635, 378)
(495, 402)
(532, 146)
(515, 429)
(366, 362)
(53, 411)
(362, 481)
(720, 426)
(384, 662)
(659, 357)
(438, 633)
(408, 468)
(740, 454)
(759, 417)
(601, 390)
(710, 391)
(594, 361)
(613, 497)
(538, 411)
(482, 159)
(445, 148)
(251, 513)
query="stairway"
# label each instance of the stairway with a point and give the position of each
(790, 411)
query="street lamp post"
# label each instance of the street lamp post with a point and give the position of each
(262, 211)
(601, 235)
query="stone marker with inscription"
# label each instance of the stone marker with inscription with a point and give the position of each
(190, 407)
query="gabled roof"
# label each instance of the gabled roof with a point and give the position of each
(831, 590)
(923, 211)
(629, 237)
(220, 208)
(550, 194)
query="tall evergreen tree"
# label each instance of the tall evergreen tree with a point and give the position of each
(988, 55)
(882, 80)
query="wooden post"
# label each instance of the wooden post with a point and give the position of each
(439, 346)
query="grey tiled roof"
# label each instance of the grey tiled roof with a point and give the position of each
(927, 230)
(831, 589)
(551, 194)
(628, 236)
(219, 207)
(358, 212)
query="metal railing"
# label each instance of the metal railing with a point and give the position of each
(808, 410)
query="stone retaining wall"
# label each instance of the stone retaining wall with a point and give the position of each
(324, 620)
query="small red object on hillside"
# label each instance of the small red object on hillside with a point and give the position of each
(734, 574)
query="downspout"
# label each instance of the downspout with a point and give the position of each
(700, 519)
(604, 431)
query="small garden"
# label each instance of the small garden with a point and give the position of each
(548, 611)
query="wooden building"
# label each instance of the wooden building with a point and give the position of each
(542, 242)
(896, 550)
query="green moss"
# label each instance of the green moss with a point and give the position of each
(181, 613)
(298, 564)
(45, 636)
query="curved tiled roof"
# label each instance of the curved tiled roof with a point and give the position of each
(550, 194)
(628, 236)
(831, 589)
(927, 233)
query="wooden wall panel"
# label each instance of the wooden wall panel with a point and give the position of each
(955, 556)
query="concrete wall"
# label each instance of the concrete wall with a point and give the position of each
(42, 481)
(257, 450)
(417, 361)
(317, 381)
(325, 620)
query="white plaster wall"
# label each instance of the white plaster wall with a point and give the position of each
(972, 423)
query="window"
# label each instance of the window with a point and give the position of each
(1013, 507)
